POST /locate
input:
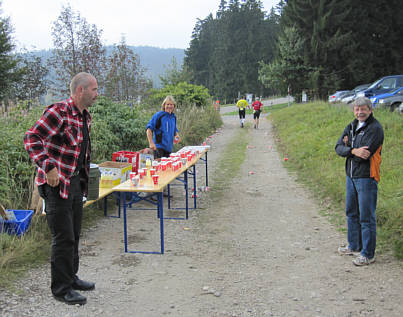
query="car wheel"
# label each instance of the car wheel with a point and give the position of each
(394, 106)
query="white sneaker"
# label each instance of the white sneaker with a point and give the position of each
(347, 251)
(362, 260)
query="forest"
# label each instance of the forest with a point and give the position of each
(318, 46)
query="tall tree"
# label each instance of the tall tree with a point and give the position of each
(288, 69)
(325, 39)
(77, 48)
(346, 45)
(8, 61)
(174, 74)
(225, 51)
(33, 82)
(125, 79)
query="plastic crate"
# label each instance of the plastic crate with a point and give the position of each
(18, 226)
(127, 156)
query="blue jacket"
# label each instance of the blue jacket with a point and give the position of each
(163, 136)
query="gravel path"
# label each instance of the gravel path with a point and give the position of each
(261, 250)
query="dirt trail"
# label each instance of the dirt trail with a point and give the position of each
(263, 250)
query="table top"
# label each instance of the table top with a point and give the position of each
(102, 193)
(163, 180)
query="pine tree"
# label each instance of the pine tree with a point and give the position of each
(8, 62)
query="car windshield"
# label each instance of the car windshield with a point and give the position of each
(375, 84)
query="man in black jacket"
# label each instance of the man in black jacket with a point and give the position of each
(361, 145)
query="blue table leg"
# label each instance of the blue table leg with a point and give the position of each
(105, 206)
(161, 213)
(169, 196)
(123, 198)
(206, 171)
(185, 177)
(194, 186)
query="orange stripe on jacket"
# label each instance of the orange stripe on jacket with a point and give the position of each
(375, 163)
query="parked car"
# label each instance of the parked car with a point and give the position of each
(382, 86)
(336, 97)
(350, 97)
(375, 99)
(392, 102)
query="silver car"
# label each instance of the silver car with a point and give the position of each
(336, 97)
(350, 97)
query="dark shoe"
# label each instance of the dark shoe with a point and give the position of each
(83, 285)
(72, 298)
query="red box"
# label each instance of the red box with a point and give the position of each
(129, 157)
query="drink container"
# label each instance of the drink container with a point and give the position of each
(155, 179)
(135, 180)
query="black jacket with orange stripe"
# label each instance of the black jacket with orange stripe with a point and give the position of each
(371, 135)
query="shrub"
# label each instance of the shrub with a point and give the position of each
(185, 94)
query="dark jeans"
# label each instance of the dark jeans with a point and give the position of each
(64, 218)
(361, 197)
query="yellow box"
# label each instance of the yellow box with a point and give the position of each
(113, 173)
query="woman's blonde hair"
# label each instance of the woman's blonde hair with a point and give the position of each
(168, 98)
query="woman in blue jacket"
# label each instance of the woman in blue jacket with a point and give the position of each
(162, 132)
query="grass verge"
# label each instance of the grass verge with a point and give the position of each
(226, 169)
(19, 254)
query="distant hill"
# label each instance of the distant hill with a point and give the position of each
(152, 58)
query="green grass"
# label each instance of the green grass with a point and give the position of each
(19, 254)
(226, 169)
(307, 134)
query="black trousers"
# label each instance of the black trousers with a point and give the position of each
(64, 217)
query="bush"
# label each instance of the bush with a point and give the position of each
(195, 123)
(17, 171)
(116, 127)
(186, 95)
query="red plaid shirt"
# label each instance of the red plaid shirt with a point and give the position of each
(55, 141)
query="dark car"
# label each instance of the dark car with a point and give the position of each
(382, 86)
(392, 102)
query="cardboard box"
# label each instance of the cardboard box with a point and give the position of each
(129, 157)
(114, 173)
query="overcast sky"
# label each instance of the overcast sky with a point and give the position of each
(159, 23)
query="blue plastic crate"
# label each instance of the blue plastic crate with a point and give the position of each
(18, 226)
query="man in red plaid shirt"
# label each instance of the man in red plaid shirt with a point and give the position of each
(59, 144)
